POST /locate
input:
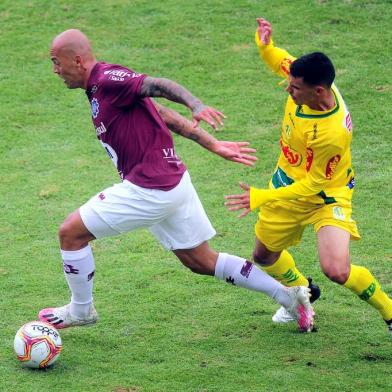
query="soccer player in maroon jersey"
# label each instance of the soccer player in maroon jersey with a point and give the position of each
(156, 191)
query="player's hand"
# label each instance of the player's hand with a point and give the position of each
(264, 30)
(235, 151)
(208, 114)
(239, 202)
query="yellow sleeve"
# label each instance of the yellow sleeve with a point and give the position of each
(279, 60)
(326, 156)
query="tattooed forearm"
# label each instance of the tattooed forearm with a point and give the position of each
(181, 126)
(159, 87)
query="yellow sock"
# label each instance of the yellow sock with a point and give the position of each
(365, 285)
(285, 271)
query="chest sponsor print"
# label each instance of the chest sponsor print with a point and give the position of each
(293, 157)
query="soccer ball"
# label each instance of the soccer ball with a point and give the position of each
(37, 344)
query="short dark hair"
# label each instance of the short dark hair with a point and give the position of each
(315, 68)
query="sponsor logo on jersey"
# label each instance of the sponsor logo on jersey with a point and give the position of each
(94, 107)
(288, 131)
(331, 167)
(170, 155)
(291, 119)
(351, 183)
(119, 75)
(314, 137)
(309, 158)
(349, 124)
(294, 158)
(100, 129)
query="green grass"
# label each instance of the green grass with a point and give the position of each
(163, 328)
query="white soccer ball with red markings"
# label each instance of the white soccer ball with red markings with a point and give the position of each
(37, 344)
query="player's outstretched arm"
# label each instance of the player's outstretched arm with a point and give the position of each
(264, 30)
(160, 87)
(240, 201)
(239, 152)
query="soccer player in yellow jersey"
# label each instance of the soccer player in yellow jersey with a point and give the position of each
(313, 180)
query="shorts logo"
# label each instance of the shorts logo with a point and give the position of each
(309, 158)
(338, 213)
(101, 196)
(293, 157)
(94, 107)
(331, 167)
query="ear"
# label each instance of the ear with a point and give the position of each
(319, 90)
(78, 60)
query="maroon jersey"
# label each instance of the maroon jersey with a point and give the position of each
(130, 129)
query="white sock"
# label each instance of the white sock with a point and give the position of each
(79, 271)
(243, 273)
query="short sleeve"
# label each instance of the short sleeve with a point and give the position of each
(122, 86)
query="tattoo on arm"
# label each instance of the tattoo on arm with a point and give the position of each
(160, 87)
(183, 127)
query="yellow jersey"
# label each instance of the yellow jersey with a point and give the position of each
(314, 165)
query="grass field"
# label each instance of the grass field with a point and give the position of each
(163, 328)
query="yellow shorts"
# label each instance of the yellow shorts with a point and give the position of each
(280, 224)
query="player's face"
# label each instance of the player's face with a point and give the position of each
(301, 92)
(68, 68)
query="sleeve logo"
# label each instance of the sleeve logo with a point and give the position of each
(309, 158)
(349, 124)
(331, 167)
(285, 65)
(293, 157)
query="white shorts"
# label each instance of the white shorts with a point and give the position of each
(176, 218)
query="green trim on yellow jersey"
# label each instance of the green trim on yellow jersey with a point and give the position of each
(303, 115)
(327, 199)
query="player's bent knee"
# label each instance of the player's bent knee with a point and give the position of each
(339, 276)
(198, 265)
(265, 258)
(72, 233)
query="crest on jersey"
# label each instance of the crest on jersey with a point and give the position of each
(94, 107)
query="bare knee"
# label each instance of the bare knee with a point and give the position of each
(333, 247)
(263, 256)
(338, 272)
(73, 235)
(200, 260)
